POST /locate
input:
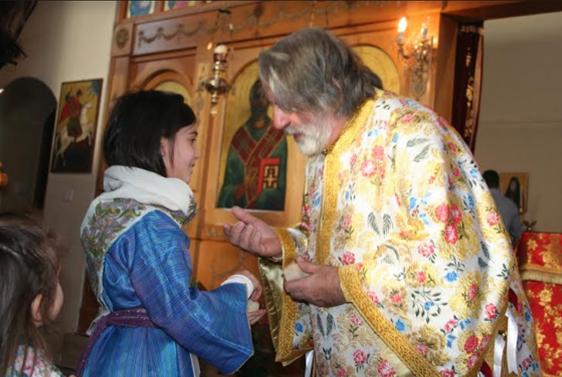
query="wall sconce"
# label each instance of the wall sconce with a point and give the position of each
(420, 53)
(217, 85)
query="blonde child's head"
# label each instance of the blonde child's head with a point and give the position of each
(30, 293)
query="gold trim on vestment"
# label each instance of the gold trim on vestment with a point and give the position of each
(289, 310)
(542, 274)
(272, 278)
(330, 181)
(350, 283)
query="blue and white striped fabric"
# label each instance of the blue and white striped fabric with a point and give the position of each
(149, 266)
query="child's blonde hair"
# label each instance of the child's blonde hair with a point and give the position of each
(29, 266)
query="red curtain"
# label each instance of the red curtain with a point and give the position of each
(540, 264)
(468, 79)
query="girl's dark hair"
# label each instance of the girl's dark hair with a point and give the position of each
(29, 266)
(136, 125)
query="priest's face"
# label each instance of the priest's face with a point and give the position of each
(180, 155)
(311, 131)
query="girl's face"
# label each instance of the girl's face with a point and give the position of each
(180, 160)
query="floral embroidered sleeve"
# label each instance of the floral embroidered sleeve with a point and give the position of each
(431, 287)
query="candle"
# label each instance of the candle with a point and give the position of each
(424, 30)
(402, 25)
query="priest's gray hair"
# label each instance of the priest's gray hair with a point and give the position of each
(311, 70)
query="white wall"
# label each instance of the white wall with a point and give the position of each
(67, 41)
(521, 111)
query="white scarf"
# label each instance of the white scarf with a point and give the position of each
(145, 187)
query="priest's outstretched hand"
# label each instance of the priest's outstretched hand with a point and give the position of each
(253, 235)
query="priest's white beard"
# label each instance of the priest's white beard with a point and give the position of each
(311, 137)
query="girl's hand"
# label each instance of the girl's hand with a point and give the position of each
(255, 316)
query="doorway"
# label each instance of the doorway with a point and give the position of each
(27, 119)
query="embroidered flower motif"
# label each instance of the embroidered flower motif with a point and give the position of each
(442, 213)
(472, 292)
(451, 234)
(346, 221)
(340, 372)
(472, 360)
(456, 172)
(484, 342)
(450, 325)
(396, 298)
(347, 258)
(452, 147)
(373, 297)
(407, 118)
(368, 168)
(448, 373)
(359, 357)
(421, 277)
(493, 218)
(306, 210)
(378, 153)
(385, 369)
(468, 295)
(471, 344)
(491, 311)
(451, 276)
(353, 160)
(355, 320)
(422, 349)
(426, 249)
(455, 213)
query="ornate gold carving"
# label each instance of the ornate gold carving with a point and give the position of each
(253, 20)
(179, 32)
(121, 37)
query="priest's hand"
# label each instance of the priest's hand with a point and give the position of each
(253, 235)
(320, 288)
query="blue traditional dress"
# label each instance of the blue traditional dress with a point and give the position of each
(137, 258)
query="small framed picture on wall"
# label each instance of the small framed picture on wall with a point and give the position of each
(75, 129)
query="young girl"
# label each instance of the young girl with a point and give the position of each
(30, 296)
(153, 323)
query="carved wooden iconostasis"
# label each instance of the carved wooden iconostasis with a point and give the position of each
(172, 49)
